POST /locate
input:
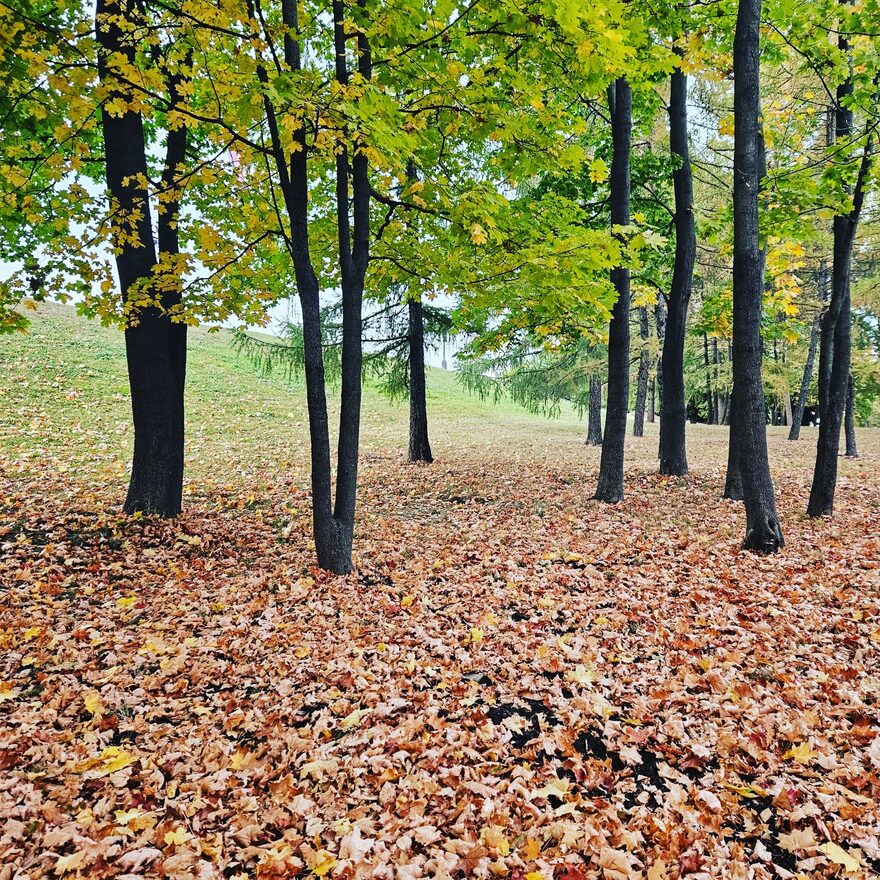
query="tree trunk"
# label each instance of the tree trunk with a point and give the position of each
(763, 532)
(652, 400)
(852, 451)
(642, 380)
(419, 447)
(673, 408)
(333, 525)
(797, 415)
(155, 347)
(610, 486)
(835, 336)
(594, 415)
(710, 397)
(733, 486)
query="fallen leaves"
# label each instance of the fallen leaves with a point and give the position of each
(517, 683)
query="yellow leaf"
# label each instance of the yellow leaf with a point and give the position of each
(746, 791)
(803, 753)
(406, 601)
(478, 234)
(840, 856)
(493, 837)
(94, 706)
(321, 862)
(177, 837)
(68, 863)
(351, 720)
(476, 635)
(531, 850)
(110, 760)
(126, 601)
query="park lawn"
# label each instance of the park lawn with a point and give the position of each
(517, 682)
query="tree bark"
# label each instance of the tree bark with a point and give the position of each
(652, 400)
(797, 415)
(333, 519)
(594, 415)
(155, 347)
(835, 336)
(610, 485)
(419, 446)
(763, 532)
(710, 397)
(852, 450)
(673, 408)
(642, 379)
(733, 486)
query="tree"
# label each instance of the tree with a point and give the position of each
(835, 340)
(673, 411)
(155, 345)
(610, 485)
(763, 532)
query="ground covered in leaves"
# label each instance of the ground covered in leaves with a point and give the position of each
(518, 682)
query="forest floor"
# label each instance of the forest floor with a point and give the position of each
(518, 682)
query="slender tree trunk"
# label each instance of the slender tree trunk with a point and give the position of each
(710, 398)
(594, 415)
(642, 380)
(717, 393)
(852, 450)
(652, 399)
(333, 520)
(419, 446)
(660, 322)
(155, 355)
(797, 415)
(673, 408)
(835, 336)
(610, 486)
(733, 486)
(763, 532)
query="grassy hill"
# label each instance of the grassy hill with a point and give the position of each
(64, 397)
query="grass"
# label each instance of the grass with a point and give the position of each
(64, 409)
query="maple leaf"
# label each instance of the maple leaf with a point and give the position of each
(177, 837)
(803, 753)
(798, 840)
(353, 847)
(658, 871)
(68, 863)
(615, 864)
(840, 856)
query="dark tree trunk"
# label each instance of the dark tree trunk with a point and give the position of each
(642, 380)
(610, 486)
(852, 450)
(797, 415)
(717, 393)
(733, 486)
(710, 397)
(673, 409)
(652, 400)
(333, 520)
(594, 415)
(419, 447)
(660, 322)
(763, 532)
(155, 347)
(835, 336)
